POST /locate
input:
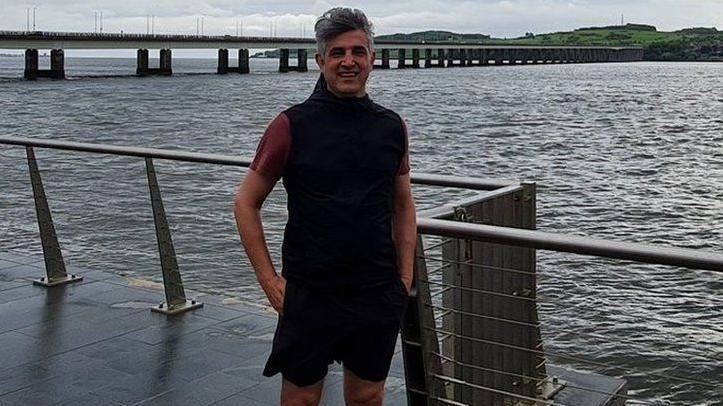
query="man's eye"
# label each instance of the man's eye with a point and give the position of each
(337, 53)
(360, 52)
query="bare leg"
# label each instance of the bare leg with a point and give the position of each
(358, 392)
(292, 395)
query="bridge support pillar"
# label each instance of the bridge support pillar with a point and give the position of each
(427, 58)
(31, 64)
(440, 58)
(450, 58)
(222, 62)
(283, 60)
(401, 58)
(385, 60)
(57, 64)
(498, 55)
(462, 57)
(415, 58)
(166, 62)
(142, 62)
(512, 56)
(243, 61)
(302, 61)
(32, 68)
(525, 56)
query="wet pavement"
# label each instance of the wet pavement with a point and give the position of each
(96, 342)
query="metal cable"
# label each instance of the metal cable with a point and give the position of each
(435, 270)
(466, 365)
(440, 244)
(495, 371)
(498, 391)
(473, 265)
(448, 402)
(570, 357)
(542, 299)
(481, 316)
(544, 276)
(487, 292)
(446, 311)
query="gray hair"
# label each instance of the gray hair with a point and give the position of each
(339, 20)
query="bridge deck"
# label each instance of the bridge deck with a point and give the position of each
(97, 342)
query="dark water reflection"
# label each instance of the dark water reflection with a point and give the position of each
(624, 151)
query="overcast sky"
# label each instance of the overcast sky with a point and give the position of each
(500, 18)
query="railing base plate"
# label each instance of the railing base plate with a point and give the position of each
(548, 388)
(179, 308)
(48, 283)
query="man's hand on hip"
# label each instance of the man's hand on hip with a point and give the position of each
(275, 289)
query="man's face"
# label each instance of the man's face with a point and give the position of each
(347, 63)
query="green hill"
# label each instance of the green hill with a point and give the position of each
(435, 36)
(689, 44)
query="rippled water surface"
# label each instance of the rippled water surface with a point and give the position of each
(622, 151)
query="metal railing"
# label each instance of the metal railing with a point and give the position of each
(444, 323)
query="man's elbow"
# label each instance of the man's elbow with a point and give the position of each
(242, 205)
(404, 205)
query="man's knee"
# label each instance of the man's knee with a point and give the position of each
(364, 395)
(360, 392)
(292, 395)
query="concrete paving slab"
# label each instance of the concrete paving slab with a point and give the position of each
(98, 341)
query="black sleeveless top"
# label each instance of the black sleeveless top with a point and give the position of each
(339, 177)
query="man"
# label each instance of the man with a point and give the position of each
(349, 241)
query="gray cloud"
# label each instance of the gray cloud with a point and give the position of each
(502, 18)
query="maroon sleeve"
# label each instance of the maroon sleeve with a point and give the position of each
(273, 148)
(404, 165)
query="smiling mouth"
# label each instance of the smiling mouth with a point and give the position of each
(348, 74)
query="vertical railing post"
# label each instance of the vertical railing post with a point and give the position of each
(419, 340)
(55, 273)
(176, 301)
(496, 329)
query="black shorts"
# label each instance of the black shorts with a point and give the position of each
(357, 328)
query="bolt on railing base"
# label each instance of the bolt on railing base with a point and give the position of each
(48, 283)
(177, 309)
(548, 388)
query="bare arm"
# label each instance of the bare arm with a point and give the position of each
(404, 228)
(247, 209)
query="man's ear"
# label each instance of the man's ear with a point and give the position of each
(319, 61)
(374, 57)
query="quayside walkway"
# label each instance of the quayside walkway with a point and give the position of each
(95, 343)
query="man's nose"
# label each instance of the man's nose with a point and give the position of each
(348, 59)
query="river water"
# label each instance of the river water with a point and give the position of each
(632, 152)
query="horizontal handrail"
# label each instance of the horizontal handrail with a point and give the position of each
(684, 257)
(185, 156)
(650, 254)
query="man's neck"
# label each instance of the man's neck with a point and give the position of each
(359, 95)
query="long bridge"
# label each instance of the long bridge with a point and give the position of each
(409, 54)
